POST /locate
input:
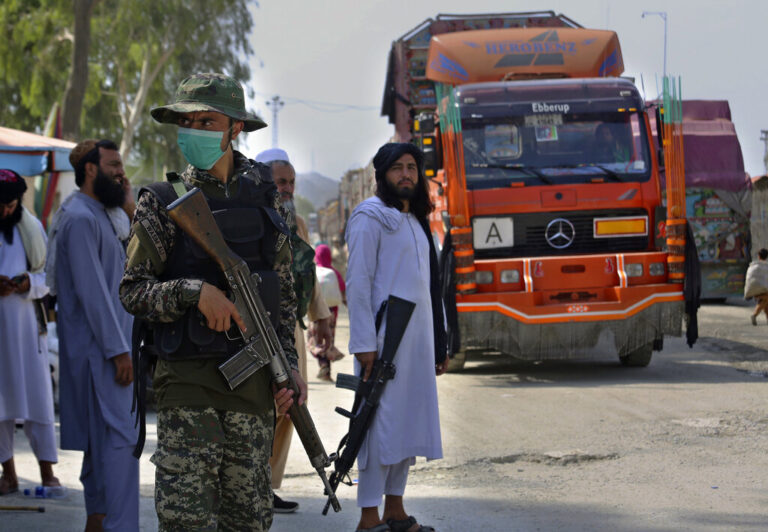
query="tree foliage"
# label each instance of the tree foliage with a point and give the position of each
(303, 206)
(37, 42)
(140, 51)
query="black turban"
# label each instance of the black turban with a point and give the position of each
(390, 153)
(12, 186)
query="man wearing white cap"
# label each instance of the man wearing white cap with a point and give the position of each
(310, 300)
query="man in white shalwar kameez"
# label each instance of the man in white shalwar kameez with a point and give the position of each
(25, 378)
(95, 341)
(390, 253)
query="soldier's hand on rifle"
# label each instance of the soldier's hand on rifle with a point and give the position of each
(284, 396)
(218, 309)
(366, 361)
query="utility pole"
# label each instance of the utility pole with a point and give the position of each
(275, 103)
(663, 15)
(764, 138)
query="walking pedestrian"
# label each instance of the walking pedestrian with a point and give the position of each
(332, 286)
(756, 285)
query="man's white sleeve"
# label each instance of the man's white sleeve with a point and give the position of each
(363, 243)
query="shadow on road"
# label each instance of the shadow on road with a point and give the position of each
(713, 360)
(461, 513)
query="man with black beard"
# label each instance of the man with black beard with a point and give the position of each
(391, 253)
(94, 339)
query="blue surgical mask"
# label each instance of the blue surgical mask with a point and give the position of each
(200, 148)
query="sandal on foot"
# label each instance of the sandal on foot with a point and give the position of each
(6, 488)
(378, 528)
(404, 525)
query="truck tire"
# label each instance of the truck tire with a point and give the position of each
(639, 358)
(457, 361)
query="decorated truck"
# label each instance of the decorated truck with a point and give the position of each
(549, 215)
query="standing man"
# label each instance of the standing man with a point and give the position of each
(391, 253)
(310, 302)
(25, 378)
(213, 443)
(94, 340)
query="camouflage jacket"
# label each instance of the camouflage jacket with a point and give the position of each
(152, 239)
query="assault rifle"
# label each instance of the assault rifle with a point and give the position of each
(368, 393)
(262, 347)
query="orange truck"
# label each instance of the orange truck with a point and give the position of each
(549, 208)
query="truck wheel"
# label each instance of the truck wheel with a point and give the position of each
(456, 362)
(639, 358)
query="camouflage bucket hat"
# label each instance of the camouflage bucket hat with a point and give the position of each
(209, 92)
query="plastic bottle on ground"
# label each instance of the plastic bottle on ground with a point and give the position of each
(47, 492)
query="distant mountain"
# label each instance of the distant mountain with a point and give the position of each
(317, 188)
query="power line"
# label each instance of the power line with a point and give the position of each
(326, 107)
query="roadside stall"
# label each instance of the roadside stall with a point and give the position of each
(718, 196)
(44, 163)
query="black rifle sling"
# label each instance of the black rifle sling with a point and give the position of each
(141, 365)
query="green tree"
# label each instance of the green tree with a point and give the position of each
(139, 52)
(303, 206)
(34, 58)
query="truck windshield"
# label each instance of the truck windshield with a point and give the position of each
(555, 148)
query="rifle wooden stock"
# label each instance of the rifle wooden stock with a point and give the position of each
(192, 214)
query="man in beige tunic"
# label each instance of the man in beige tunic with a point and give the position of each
(318, 315)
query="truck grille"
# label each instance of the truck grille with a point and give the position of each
(530, 240)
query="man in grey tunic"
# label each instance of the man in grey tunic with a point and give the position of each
(391, 253)
(94, 341)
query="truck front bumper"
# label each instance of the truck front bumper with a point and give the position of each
(565, 331)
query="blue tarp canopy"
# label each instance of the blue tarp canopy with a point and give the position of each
(30, 154)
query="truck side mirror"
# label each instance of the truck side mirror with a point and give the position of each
(425, 123)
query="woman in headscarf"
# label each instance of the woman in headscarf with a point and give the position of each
(334, 296)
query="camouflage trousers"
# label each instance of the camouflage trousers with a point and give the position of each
(212, 470)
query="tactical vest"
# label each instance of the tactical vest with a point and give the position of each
(250, 226)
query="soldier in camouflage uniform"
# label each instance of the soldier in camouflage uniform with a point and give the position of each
(213, 444)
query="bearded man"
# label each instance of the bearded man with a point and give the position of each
(25, 380)
(310, 302)
(391, 253)
(94, 340)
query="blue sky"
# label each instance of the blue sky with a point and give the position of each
(336, 51)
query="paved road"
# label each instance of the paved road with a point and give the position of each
(585, 445)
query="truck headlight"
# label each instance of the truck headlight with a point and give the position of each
(633, 270)
(510, 276)
(656, 269)
(483, 277)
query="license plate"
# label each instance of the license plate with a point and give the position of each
(493, 232)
